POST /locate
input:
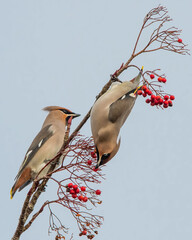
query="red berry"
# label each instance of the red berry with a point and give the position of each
(72, 191)
(166, 97)
(144, 94)
(180, 40)
(152, 76)
(93, 155)
(95, 169)
(170, 103)
(77, 190)
(80, 198)
(85, 199)
(75, 187)
(165, 105)
(74, 195)
(172, 97)
(152, 104)
(160, 79)
(70, 185)
(139, 92)
(89, 162)
(144, 88)
(153, 96)
(161, 101)
(148, 100)
(83, 188)
(148, 92)
(158, 98)
(84, 232)
(166, 102)
(98, 192)
(164, 80)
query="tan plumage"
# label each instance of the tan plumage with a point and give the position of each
(109, 114)
(44, 147)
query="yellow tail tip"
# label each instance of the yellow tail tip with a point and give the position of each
(142, 68)
(11, 195)
(137, 89)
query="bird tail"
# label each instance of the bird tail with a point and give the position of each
(137, 79)
(17, 185)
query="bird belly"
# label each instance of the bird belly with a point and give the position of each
(42, 158)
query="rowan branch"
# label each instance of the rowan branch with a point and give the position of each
(160, 39)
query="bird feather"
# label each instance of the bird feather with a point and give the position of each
(38, 142)
(121, 106)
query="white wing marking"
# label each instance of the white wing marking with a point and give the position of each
(39, 145)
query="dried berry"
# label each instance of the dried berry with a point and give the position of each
(84, 232)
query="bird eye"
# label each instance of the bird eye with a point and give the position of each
(65, 111)
(62, 110)
(105, 156)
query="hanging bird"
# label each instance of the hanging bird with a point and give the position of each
(109, 114)
(44, 147)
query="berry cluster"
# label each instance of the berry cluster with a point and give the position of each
(157, 100)
(164, 101)
(89, 162)
(160, 79)
(74, 190)
(93, 155)
(84, 232)
(80, 192)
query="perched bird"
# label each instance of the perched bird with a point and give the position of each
(44, 147)
(109, 114)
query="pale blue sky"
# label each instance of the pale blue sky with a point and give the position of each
(62, 53)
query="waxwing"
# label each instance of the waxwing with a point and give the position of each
(109, 114)
(44, 147)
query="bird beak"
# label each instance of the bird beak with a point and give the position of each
(74, 115)
(98, 162)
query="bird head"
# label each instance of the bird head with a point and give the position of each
(67, 113)
(106, 151)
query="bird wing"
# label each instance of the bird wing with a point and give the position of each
(122, 107)
(37, 143)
